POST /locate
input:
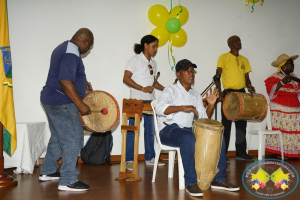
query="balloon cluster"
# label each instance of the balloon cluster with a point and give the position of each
(254, 2)
(169, 25)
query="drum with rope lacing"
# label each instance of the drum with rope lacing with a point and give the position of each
(245, 106)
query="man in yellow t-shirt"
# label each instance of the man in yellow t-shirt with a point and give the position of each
(234, 69)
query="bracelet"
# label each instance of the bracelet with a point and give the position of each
(142, 89)
(182, 108)
(282, 83)
(248, 85)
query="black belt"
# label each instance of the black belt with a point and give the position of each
(226, 91)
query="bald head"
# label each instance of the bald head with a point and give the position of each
(230, 39)
(82, 34)
(84, 39)
(234, 42)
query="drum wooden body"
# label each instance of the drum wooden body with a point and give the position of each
(98, 120)
(209, 135)
(242, 106)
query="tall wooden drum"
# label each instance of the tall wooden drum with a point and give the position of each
(105, 112)
(209, 135)
(244, 106)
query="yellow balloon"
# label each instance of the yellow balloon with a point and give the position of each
(158, 15)
(182, 17)
(178, 39)
(162, 35)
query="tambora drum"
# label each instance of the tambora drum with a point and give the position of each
(209, 135)
(105, 112)
(245, 106)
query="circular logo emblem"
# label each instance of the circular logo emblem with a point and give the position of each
(270, 179)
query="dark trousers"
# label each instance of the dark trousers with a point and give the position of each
(174, 136)
(240, 128)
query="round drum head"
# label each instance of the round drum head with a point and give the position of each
(105, 111)
(231, 105)
(208, 123)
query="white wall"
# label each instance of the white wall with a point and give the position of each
(37, 27)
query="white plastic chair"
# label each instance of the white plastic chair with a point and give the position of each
(260, 130)
(172, 151)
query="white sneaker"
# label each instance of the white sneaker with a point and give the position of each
(151, 162)
(129, 166)
(49, 177)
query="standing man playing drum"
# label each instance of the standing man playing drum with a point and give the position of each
(234, 69)
(61, 98)
(139, 76)
(176, 108)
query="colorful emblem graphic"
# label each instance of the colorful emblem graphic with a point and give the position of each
(6, 61)
(270, 178)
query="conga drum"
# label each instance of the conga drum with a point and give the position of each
(244, 106)
(105, 112)
(209, 135)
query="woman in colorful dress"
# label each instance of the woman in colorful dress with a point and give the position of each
(283, 88)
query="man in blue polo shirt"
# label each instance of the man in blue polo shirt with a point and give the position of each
(61, 98)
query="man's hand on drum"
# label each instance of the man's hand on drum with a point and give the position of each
(251, 89)
(148, 89)
(189, 108)
(89, 87)
(84, 109)
(213, 96)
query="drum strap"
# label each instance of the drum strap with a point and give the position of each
(60, 92)
(57, 90)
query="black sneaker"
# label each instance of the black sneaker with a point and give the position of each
(227, 160)
(194, 190)
(243, 156)
(224, 185)
(49, 177)
(76, 187)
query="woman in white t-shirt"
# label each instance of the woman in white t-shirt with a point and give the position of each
(139, 76)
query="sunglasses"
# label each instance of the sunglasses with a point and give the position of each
(151, 70)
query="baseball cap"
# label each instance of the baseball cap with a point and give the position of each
(184, 64)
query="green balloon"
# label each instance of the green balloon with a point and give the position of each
(173, 25)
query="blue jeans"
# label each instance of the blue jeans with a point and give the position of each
(66, 141)
(148, 139)
(174, 136)
(220, 176)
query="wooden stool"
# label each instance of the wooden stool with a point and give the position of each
(131, 108)
(147, 109)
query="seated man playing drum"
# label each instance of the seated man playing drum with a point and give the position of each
(176, 108)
